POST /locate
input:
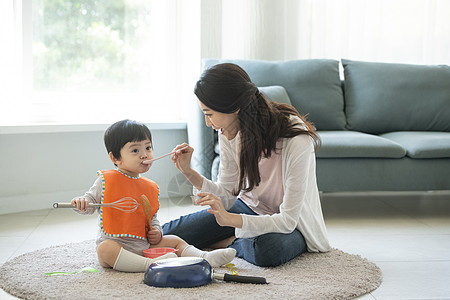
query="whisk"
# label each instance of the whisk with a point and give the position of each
(126, 204)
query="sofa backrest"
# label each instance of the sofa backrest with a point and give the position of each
(313, 86)
(386, 97)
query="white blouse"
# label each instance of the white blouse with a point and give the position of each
(266, 198)
(300, 207)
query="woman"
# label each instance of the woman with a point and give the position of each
(265, 203)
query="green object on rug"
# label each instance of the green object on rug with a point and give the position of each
(87, 269)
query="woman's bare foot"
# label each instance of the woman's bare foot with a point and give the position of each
(223, 243)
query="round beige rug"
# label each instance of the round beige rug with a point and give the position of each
(331, 275)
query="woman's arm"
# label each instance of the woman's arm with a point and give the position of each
(228, 176)
(228, 171)
(194, 178)
(182, 160)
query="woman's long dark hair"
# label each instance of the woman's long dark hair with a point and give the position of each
(227, 88)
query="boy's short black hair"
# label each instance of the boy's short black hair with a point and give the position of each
(122, 132)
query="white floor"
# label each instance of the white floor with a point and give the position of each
(407, 236)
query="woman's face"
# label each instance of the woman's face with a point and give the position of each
(227, 124)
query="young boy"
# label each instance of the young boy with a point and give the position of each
(123, 235)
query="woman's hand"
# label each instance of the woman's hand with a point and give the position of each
(80, 203)
(223, 217)
(182, 158)
(154, 236)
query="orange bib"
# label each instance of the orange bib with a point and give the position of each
(116, 186)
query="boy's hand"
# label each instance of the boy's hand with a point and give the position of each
(154, 236)
(80, 203)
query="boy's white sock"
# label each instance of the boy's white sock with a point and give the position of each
(128, 261)
(216, 258)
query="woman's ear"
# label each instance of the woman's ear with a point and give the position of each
(113, 159)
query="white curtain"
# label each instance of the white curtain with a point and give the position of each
(403, 31)
(184, 31)
(10, 60)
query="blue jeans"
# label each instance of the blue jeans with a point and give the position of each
(268, 250)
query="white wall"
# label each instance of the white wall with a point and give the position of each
(38, 169)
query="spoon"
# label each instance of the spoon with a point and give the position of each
(87, 269)
(162, 156)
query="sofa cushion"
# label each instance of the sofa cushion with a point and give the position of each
(338, 144)
(382, 174)
(313, 86)
(422, 144)
(382, 97)
(275, 93)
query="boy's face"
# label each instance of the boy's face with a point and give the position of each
(132, 155)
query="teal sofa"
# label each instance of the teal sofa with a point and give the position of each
(383, 126)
